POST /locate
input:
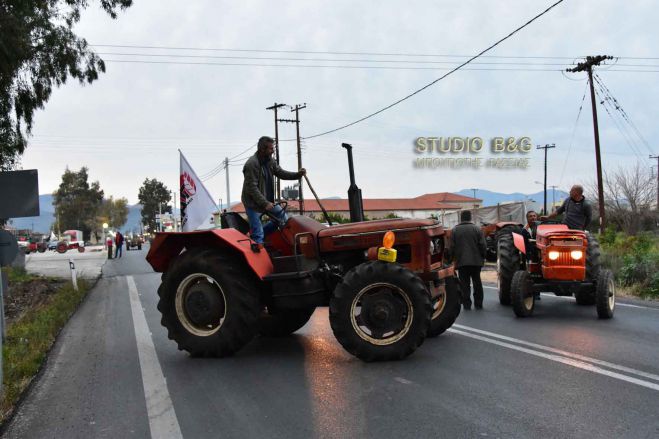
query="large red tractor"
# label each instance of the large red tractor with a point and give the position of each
(560, 260)
(386, 282)
(219, 289)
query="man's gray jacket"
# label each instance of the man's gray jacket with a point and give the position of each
(468, 245)
(577, 214)
(253, 195)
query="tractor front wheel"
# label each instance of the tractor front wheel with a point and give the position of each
(380, 311)
(283, 323)
(446, 308)
(605, 294)
(522, 294)
(209, 303)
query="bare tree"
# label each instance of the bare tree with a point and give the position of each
(629, 195)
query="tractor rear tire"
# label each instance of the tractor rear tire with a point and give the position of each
(508, 263)
(380, 311)
(522, 294)
(593, 253)
(507, 231)
(447, 310)
(283, 323)
(209, 303)
(605, 294)
(62, 248)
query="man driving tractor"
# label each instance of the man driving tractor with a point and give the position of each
(578, 211)
(258, 195)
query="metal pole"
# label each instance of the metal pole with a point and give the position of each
(598, 159)
(226, 171)
(275, 107)
(174, 211)
(160, 217)
(657, 157)
(299, 154)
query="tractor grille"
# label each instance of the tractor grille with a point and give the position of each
(564, 259)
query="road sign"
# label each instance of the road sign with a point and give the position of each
(20, 194)
(8, 248)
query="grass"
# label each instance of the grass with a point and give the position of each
(17, 275)
(30, 338)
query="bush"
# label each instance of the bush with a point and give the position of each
(634, 260)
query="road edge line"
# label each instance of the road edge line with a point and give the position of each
(160, 409)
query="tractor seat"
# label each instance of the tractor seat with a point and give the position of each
(233, 220)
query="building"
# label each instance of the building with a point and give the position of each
(423, 206)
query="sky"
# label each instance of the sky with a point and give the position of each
(130, 124)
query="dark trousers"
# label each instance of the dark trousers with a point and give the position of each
(473, 273)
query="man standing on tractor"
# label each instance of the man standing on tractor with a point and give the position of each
(578, 211)
(469, 250)
(258, 195)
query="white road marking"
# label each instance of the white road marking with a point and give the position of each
(553, 296)
(562, 352)
(162, 417)
(570, 361)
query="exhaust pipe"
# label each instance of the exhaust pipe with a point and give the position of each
(354, 193)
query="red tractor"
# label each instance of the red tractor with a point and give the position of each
(559, 260)
(219, 290)
(385, 282)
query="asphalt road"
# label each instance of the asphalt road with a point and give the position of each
(563, 373)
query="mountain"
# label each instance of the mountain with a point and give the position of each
(493, 198)
(43, 222)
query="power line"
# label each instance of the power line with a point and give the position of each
(441, 77)
(574, 130)
(259, 58)
(618, 106)
(321, 52)
(131, 61)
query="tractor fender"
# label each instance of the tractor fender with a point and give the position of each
(168, 245)
(518, 240)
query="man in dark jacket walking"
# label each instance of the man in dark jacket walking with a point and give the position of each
(258, 194)
(469, 249)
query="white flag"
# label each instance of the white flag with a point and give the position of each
(197, 206)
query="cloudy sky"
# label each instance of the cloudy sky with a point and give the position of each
(129, 124)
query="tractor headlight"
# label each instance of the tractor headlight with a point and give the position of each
(553, 255)
(576, 254)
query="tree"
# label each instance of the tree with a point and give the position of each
(39, 50)
(77, 202)
(628, 197)
(153, 197)
(114, 212)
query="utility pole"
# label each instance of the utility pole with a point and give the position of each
(587, 66)
(553, 195)
(296, 121)
(275, 107)
(226, 171)
(546, 147)
(174, 211)
(657, 157)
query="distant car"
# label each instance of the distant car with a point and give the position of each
(134, 241)
(52, 245)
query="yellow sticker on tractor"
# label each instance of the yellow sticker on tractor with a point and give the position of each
(387, 254)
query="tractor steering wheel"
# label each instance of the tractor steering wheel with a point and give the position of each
(280, 203)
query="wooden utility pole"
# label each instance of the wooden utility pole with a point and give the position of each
(275, 107)
(226, 171)
(587, 66)
(296, 121)
(657, 157)
(546, 147)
